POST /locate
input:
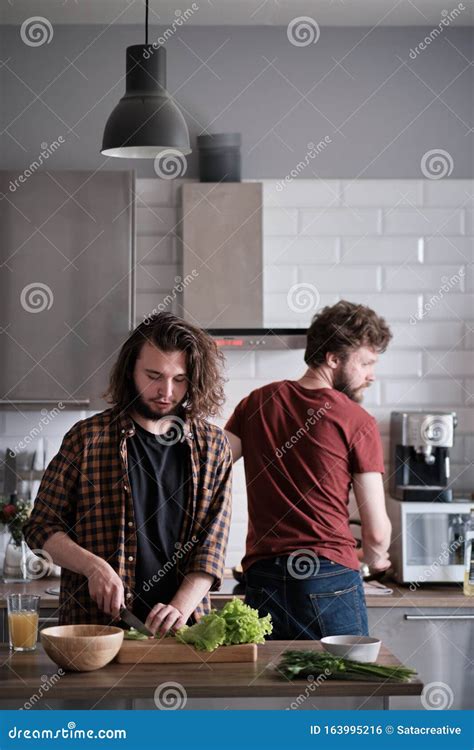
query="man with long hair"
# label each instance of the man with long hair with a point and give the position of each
(135, 507)
(305, 443)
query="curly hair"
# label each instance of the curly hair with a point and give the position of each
(204, 364)
(343, 328)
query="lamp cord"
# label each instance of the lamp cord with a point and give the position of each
(146, 21)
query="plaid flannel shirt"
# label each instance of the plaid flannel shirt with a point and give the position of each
(85, 492)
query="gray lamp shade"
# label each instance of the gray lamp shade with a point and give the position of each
(146, 121)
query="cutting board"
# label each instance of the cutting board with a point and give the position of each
(167, 651)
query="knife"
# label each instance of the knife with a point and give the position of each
(132, 620)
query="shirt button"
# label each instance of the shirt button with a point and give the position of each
(130, 523)
(125, 486)
(129, 595)
(130, 558)
(123, 432)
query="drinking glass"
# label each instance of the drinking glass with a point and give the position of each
(23, 614)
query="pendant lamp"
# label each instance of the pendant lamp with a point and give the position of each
(146, 121)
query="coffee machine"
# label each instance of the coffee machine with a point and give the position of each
(427, 526)
(419, 455)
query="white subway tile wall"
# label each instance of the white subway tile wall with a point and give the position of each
(404, 247)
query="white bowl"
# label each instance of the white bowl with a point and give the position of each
(355, 647)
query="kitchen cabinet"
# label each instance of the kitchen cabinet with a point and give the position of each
(66, 283)
(221, 230)
(438, 642)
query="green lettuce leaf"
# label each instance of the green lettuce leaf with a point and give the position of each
(243, 624)
(205, 635)
(235, 623)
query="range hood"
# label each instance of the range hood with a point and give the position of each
(259, 338)
(222, 250)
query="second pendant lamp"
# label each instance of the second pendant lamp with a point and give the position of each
(146, 121)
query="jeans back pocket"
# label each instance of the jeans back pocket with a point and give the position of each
(338, 612)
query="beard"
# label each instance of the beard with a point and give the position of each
(141, 407)
(343, 384)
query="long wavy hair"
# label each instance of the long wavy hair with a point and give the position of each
(204, 364)
(342, 328)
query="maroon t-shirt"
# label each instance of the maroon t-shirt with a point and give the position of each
(301, 447)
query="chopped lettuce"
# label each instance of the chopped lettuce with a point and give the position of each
(235, 623)
(205, 635)
(134, 635)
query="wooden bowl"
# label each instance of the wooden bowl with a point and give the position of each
(82, 648)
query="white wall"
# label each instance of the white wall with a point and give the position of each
(391, 244)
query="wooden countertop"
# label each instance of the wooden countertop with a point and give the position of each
(437, 595)
(21, 675)
(447, 595)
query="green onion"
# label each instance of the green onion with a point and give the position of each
(297, 664)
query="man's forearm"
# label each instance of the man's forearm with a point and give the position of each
(375, 550)
(376, 526)
(66, 553)
(192, 591)
(105, 586)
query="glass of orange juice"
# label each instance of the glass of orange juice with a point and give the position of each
(23, 621)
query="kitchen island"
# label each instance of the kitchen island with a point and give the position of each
(427, 627)
(32, 680)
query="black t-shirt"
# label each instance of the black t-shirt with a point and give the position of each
(159, 476)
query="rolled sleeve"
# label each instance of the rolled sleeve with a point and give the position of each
(208, 555)
(54, 505)
(236, 420)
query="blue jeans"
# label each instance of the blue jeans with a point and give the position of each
(332, 602)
